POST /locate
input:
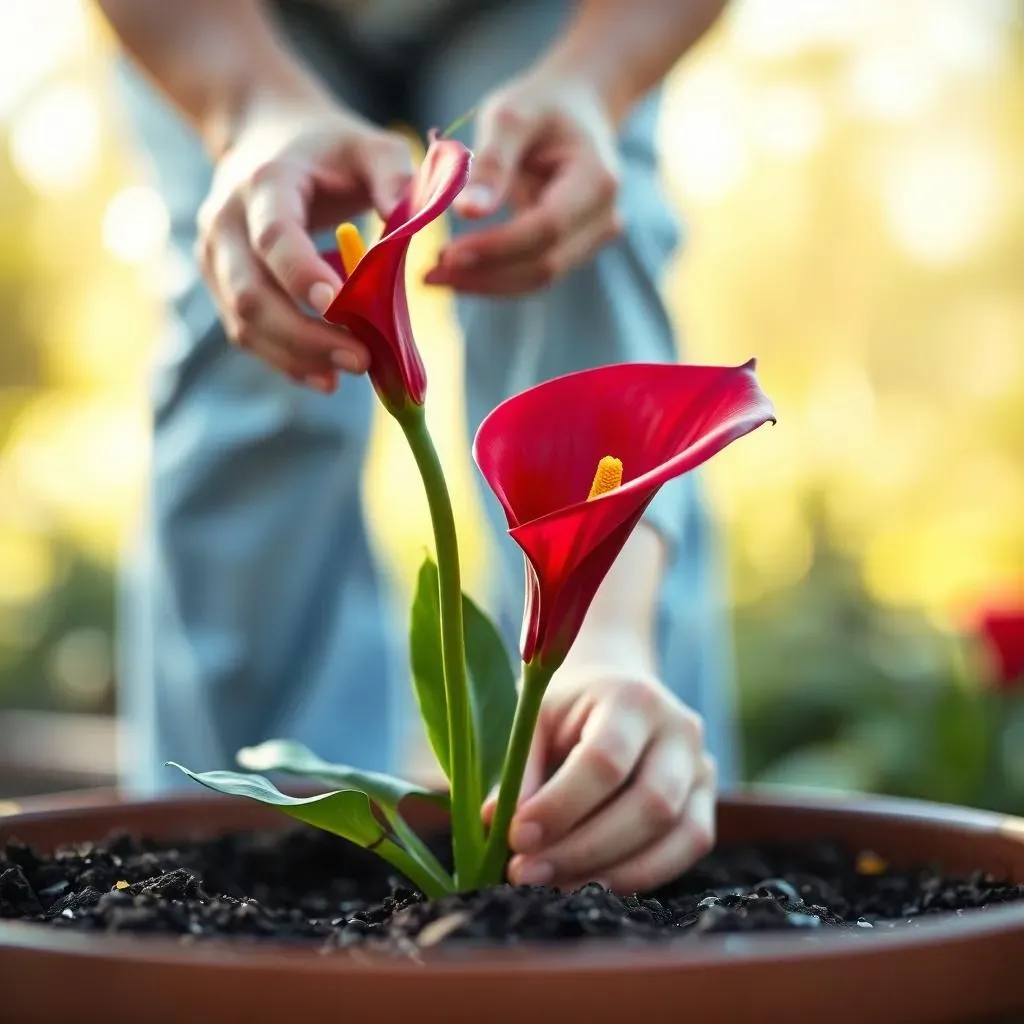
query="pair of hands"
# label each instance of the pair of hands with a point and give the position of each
(618, 788)
(544, 146)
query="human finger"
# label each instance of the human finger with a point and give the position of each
(259, 318)
(611, 743)
(385, 162)
(533, 273)
(583, 190)
(275, 213)
(503, 133)
(676, 852)
(642, 813)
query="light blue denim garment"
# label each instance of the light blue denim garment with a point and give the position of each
(252, 605)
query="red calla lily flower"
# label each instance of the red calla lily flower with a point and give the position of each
(1002, 630)
(539, 450)
(372, 303)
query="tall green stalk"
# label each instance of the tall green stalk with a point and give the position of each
(536, 676)
(466, 797)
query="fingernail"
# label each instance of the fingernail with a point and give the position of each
(321, 295)
(538, 872)
(527, 836)
(347, 361)
(324, 382)
(479, 197)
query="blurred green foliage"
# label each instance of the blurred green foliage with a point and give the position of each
(39, 637)
(840, 692)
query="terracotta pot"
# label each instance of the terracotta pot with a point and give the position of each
(958, 968)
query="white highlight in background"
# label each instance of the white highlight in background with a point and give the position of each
(135, 224)
(55, 141)
(942, 199)
(37, 37)
(782, 29)
(703, 145)
(893, 81)
(788, 121)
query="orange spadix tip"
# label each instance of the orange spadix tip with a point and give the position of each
(607, 478)
(350, 246)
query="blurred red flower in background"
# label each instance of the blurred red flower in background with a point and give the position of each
(1002, 631)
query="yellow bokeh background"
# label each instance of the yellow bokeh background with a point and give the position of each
(851, 176)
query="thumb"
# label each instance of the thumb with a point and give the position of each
(385, 160)
(502, 136)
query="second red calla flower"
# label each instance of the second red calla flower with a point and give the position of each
(639, 423)
(372, 302)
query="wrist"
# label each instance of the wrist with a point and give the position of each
(622, 50)
(623, 615)
(614, 645)
(593, 70)
(279, 90)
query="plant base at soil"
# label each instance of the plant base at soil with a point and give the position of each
(308, 887)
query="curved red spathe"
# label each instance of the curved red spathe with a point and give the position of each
(372, 303)
(538, 452)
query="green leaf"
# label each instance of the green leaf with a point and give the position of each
(293, 758)
(385, 791)
(346, 813)
(426, 663)
(492, 683)
(492, 690)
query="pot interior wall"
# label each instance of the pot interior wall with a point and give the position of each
(960, 840)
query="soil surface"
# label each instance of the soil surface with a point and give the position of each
(308, 887)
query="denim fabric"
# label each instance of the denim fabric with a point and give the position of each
(252, 604)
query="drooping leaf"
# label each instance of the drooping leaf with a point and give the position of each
(346, 813)
(293, 758)
(491, 678)
(386, 791)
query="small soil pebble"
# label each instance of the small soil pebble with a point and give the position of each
(307, 887)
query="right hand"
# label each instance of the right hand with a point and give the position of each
(292, 170)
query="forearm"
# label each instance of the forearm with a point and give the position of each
(216, 60)
(625, 47)
(625, 608)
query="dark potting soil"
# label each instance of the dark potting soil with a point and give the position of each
(305, 886)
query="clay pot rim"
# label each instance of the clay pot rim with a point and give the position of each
(591, 956)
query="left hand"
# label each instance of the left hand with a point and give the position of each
(618, 789)
(546, 146)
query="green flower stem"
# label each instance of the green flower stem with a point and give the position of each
(536, 676)
(397, 857)
(466, 795)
